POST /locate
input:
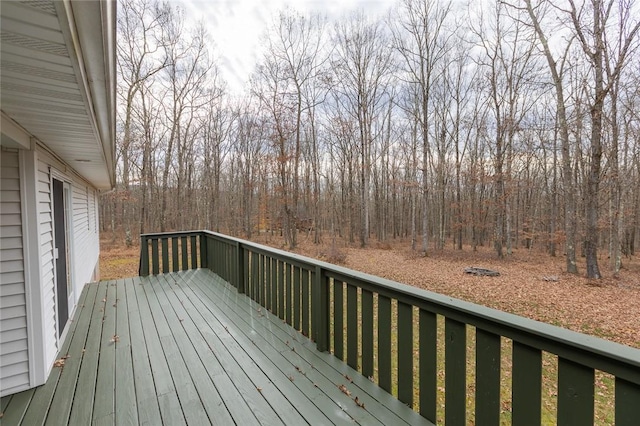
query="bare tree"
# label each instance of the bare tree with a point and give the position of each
(556, 67)
(187, 71)
(362, 65)
(509, 64)
(295, 49)
(422, 43)
(606, 58)
(139, 24)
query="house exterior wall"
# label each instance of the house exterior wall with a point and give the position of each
(84, 242)
(14, 355)
(47, 265)
(29, 339)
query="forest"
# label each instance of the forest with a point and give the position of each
(509, 124)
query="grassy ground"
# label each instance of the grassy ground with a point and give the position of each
(606, 308)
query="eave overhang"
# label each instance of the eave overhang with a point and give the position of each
(58, 81)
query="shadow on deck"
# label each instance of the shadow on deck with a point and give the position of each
(186, 348)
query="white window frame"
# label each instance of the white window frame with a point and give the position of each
(67, 188)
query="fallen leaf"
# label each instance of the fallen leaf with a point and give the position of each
(259, 389)
(115, 338)
(344, 390)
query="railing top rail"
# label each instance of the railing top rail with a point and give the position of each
(602, 354)
(171, 233)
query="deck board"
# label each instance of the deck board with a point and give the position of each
(186, 348)
(194, 352)
(170, 409)
(61, 404)
(125, 399)
(146, 398)
(82, 408)
(252, 402)
(269, 390)
(327, 379)
(104, 406)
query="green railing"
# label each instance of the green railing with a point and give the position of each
(390, 333)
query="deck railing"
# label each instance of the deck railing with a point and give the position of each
(390, 333)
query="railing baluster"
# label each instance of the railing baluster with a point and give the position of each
(627, 406)
(352, 326)
(261, 280)
(338, 319)
(384, 342)
(281, 277)
(194, 252)
(274, 285)
(185, 256)
(240, 263)
(575, 393)
(229, 256)
(296, 297)
(175, 267)
(428, 364)
(155, 258)
(256, 272)
(320, 309)
(267, 280)
(305, 301)
(455, 376)
(487, 378)
(526, 384)
(204, 257)
(215, 257)
(405, 353)
(367, 333)
(165, 255)
(288, 295)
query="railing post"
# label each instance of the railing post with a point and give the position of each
(155, 257)
(320, 310)
(203, 251)
(240, 285)
(143, 270)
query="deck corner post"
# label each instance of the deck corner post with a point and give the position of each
(143, 269)
(320, 310)
(204, 260)
(240, 285)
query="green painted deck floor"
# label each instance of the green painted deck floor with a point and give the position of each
(186, 348)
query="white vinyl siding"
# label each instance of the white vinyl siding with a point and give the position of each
(14, 356)
(85, 247)
(47, 262)
(17, 371)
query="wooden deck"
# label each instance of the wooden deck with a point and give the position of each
(186, 348)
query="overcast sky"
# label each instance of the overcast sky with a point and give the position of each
(237, 26)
